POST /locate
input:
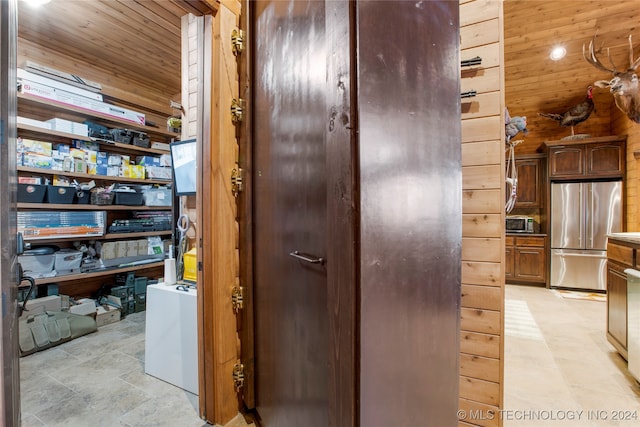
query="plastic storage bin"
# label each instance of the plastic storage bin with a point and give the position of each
(157, 197)
(61, 195)
(31, 193)
(128, 198)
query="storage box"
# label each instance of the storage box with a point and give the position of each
(36, 265)
(30, 193)
(34, 160)
(58, 194)
(102, 197)
(86, 306)
(68, 98)
(33, 146)
(128, 198)
(158, 172)
(157, 196)
(140, 303)
(106, 315)
(133, 171)
(140, 285)
(67, 261)
(148, 160)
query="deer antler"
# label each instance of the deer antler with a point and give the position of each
(593, 59)
(632, 65)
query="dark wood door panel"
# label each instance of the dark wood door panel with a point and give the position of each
(605, 160)
(528, 189)
(566, 161)
(617, 304)
(289, 177)
(529, 263)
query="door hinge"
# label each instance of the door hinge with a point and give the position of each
(237, 298)
(237, 41)
(237, 110)
(236, 181)
(238, 376)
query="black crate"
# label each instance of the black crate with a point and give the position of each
(124, 136)
(141, 139)
(59, 194)
(83, 197)
(128, 198)
(31, 193)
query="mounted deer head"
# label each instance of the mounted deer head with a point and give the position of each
(624, 84)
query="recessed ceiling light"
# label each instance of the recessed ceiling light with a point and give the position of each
(36, 3)
(557, 53)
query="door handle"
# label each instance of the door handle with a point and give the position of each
(307, 258)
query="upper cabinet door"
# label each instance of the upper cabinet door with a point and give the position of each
(529, 183)
(566, 161)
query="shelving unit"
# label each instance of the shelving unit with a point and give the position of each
(83, 284)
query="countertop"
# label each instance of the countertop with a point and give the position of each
(529, 234)
(630, 237)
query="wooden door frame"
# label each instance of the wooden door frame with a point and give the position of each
(217, 227)
(9, 362)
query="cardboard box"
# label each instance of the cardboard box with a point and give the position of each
(32, 122)
(68, 98)
(158, 172)
(148, 160)
(107, 314)
(25, 75)
(86, 306)
(36, 147)
(67, 261)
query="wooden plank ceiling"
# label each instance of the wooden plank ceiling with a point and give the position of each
(139, 39)
(534, 83)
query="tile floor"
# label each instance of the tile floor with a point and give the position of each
(559, 371)
(559, 368)
(99, 380)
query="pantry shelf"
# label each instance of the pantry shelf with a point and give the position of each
(47, 133)
(89, 207)
(89, 275)
(42, 171)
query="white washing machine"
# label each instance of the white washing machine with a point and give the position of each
(171, 336)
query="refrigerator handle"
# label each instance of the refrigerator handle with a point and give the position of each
(589, 215)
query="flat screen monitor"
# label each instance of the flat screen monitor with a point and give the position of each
(184, 163)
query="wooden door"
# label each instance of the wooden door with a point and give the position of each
(9, 367)
(290, 214)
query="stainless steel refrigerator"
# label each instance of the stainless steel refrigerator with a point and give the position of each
(582, 214)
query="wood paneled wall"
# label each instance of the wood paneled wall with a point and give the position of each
(482, 304)
(621, 125)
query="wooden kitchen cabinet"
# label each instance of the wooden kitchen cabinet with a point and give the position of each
(602, 157)
(525, 259)
(620, 256)
(530, 169)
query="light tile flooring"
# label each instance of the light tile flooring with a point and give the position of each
(559, 371)
(99, 380)
(559, 368)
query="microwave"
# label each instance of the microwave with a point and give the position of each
(519, 224)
